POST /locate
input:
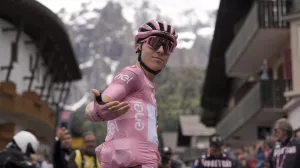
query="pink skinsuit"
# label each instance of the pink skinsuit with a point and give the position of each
(131, 139)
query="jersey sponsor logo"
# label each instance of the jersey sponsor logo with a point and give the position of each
(153, 98)
(216, 163)
(124, 77)
(152, 124)
(139, 112)
(288, 150)
(112, 127)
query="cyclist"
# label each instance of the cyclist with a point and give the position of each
(129, 104)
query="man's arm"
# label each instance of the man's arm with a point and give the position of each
(123, 84)
(57, 155)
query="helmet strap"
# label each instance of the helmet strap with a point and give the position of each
(139, 51)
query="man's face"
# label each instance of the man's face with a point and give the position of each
(298, 134)
(66, 141)
(154, 59)
(279, 133)
(168, 155)
(216, 150)
(90, 143)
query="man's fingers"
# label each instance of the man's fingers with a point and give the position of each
(118, 106)
(111, 104)
(122, 110)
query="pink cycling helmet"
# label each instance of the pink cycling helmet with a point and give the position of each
(155, 28)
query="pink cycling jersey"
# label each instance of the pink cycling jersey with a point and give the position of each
(132, 137)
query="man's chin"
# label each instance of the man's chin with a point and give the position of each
(157, 67)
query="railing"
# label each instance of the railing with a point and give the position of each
(272, 93)
(271, 12)
(263, 95)
(263, 14)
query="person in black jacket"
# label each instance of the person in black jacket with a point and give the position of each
(266, 78)
(62, 149)
(167, 160)
(286, 153)
(215, 157)
(18, 151)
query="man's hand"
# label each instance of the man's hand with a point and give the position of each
(62, 133)
(116, 107)
(105, 99)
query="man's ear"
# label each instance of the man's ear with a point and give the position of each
(138, 47)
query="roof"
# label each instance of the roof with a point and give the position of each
(191, 126)
(40, 22)
(216, 87)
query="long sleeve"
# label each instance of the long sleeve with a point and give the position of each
(124, 83)
(57, 155)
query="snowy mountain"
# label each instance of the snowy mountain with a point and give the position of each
(103, 35)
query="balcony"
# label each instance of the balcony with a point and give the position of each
(261, 36)
(26, 110)
(261, 106)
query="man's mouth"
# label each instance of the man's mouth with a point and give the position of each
(158, 58)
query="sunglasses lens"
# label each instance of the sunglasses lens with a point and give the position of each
(155, 42)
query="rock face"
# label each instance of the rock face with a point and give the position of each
(103, 41)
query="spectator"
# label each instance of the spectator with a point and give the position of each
(34, 160)
(297, 133)
(242, 159)
(167, 160)
(18, 151)
(260, 158)
(251, 159)
(62, 149)
(86, 157)
(267, 149)
(287, 153)
(46, 163)
(266, 73)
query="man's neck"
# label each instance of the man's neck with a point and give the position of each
(284, 139)
(216, 155)
(149, 75)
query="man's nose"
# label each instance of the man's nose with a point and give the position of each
(160, 50)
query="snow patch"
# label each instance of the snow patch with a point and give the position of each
(78, 104)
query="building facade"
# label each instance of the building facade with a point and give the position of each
(293, 106)
(255, 35)
(37, 67)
